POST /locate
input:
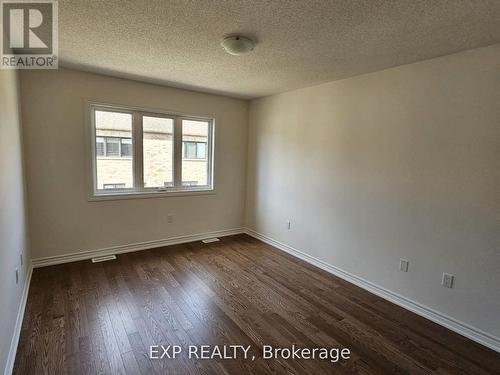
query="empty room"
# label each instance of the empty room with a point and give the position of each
(249, 187)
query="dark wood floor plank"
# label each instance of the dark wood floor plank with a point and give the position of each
(113, 346)
(99, 348)
(31, 330)
(85, 318)
(130, 364)
(140, 352)
(87, 363)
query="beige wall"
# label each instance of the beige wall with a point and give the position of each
(13, 237)
(399, 163)
(63, 221)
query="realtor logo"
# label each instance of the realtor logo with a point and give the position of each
(29, 34)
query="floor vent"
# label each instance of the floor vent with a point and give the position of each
(103, 259)
(208, 240)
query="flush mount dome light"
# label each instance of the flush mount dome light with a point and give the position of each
(237, 44)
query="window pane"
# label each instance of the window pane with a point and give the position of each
(112, 147)
(201, 150)
(99, 146)
(190, 150)
(113, 171)
(158, 147)
(194, 170)
(126, 147)
(114, 186)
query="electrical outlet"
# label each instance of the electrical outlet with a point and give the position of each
(170, 218)
(447, 280)
(288, 224)
(17, 276)
(403, 265)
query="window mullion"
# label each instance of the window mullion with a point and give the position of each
(177, 153)
(137, 151)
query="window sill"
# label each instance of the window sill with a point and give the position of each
(148, 194)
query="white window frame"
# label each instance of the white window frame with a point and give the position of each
(138, 190)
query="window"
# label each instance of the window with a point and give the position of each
(158, 151)
(111, 170)
(194, 150)
(125, 147)
(113, 147)
(139, 152)
(195, 167)
(100, 149)
(114, 186)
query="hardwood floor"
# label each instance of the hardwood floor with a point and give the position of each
(85, 318)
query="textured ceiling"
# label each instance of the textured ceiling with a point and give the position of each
(300, 43)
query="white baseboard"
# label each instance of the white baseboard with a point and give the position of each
(459, 327)
(9, 366)
(83, 255)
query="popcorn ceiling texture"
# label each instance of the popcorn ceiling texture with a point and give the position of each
(300, 43)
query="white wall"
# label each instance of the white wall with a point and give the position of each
(63, 221)
(13, 237)
(399, 163)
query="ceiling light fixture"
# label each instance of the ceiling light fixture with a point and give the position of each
(237, 44)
